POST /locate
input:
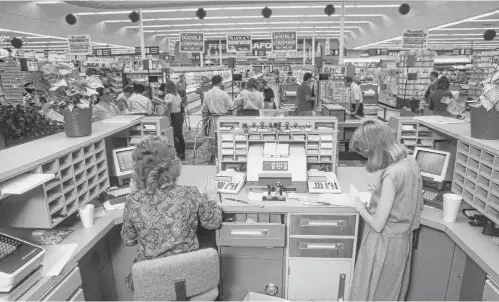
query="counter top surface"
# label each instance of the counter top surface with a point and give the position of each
(480, 248)
(19, 159)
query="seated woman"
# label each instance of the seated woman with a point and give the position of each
(160, 216)
(436, 97)
(250, 101)
(103, 108)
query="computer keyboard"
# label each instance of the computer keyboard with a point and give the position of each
(115, 192)
(433, 198)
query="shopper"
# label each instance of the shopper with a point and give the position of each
(383, 264)
(125, 95)
(172, 229)
(355, 97)
(269, 96)
(139, 104)
(432, 87)
(103, 108)
(306, 101)
(217, 101)
(182, 91)
(435, 101)
(250, 101)
(174, 104)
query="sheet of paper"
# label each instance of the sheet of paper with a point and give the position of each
(354, 193)
(337, 200)
(56, 257)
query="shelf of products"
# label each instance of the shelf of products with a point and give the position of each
(408, 88)
(81, 175)
(334, 90)
(412, 134)
(11, 78)
(195, 77)
(482, 70)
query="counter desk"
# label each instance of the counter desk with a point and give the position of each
(456, 256)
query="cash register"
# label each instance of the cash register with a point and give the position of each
(434, 166)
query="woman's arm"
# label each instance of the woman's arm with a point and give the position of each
(128, 232)
(209, 212)
(378, 221)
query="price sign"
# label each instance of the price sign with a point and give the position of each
(262, 59)
(150, 50)
(336, 52)
(377, 52)
(102, 51)
(241, 56)
(465, 52)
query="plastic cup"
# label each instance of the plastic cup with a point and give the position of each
(87, 215)
(452, 203)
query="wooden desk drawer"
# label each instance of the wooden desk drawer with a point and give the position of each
(321, 248)
(78, 295)
(66, 287)
(322, 225)
(251, 234)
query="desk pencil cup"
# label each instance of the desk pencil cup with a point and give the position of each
(86, 213)
(452, 203)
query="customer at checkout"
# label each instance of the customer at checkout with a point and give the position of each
(250, 101)
(217, 101)
(383, 265)
(355, 97)
(268, 94)
(160, 216)
(442, 91)
(139, 104)
(104, 108)
(432, 87)
(306, 101)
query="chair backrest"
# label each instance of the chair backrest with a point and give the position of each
(178, 277)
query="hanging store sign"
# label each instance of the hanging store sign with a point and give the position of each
(105, 52)
(377, 52)
(150, 50)
(239, 43)
(415, 39)
(465, 52)
(241, 56)
(191, 42)
(262, 59)
(327, 48)
(79, 45)
(261, 44)
(212, 47)
(284, 41)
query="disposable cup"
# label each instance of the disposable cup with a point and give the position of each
(452, 203)
(87, 215)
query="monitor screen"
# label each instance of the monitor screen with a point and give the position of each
(431, 162)
(124, 159)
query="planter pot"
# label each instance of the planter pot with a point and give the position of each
(78, 123)
(484, 124)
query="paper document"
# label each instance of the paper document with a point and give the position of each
(365, 197)
(56, 257)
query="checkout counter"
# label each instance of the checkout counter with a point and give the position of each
(297, 247)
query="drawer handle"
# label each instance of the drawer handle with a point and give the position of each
(321, 246)
(322, 223)
(261, 232)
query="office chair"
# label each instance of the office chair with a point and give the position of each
(190, 276)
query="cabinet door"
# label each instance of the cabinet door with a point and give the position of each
(318, 279)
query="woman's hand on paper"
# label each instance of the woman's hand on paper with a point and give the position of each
(358, 204)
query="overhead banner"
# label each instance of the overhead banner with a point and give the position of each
(260, 47)
(241, 56)
(284, 41)
(212, 47)
(79, 45)
(239, 43)
(191, 42)
(415, 39)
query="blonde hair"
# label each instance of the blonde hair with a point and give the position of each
(377, 142)
(155, 164)
(252, 84)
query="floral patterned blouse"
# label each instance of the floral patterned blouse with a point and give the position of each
(165, 223)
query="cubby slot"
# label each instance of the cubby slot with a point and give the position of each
(462, 158)
(54, 193)
(51, 183)
(103, 185)
(81, 188)
(89, 161)
(494, 199)
(69, 196)
(68, 184)
(470, 174)
(80, 177)
(50, 168)
(88, 150)
(495, 174)
(240, 137)
(463, 147)
(485, 170)
(468, 197)
(56, 204)
(457, 189)
(93, 192)
(459, 179)
(102, 175)
(92, 181)
(269, 137)
(461, 169)
(483, 182)
(227, 158)
(299, 138)
(77, 155)
(494, 213)
(101, 166)
(58, 216)
(99, 156)
(72, 207)
(67, 173)
(284, 137)
(480, 192)
(469, 185)
(487, 158)
(254, 137)
(494, 188)
(496, 163)
(473, 164)
(79, 166)
(479, 203)
(83, 199)
(91, 171)
(64, 161)
(99, 145)
(475, 152)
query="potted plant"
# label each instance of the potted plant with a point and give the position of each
(73, 94)
(484, 115)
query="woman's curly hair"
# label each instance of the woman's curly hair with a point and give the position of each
(155, 164)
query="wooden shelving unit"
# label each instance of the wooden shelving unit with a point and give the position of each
(80, 176)
(317, 134)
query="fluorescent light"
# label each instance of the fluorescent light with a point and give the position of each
(458, 28)
(452, 35)
(242, 23)
(484, 20)
(48, 2)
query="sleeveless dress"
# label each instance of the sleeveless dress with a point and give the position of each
(383, 266)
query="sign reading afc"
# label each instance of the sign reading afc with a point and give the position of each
(191, 42)
(284, 41)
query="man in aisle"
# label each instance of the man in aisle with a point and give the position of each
(125, 95)
(432, 87)
(354, 97)
(216, 101)
(306, 101)
(139, 104)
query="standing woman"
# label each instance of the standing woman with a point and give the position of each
(383, 266)
(269, 96)
(174, 105)
(250, 101)
(182, 91)
(436, 97)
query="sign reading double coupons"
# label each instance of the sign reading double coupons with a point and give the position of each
(239, 43)
(415, 39)
(191, 42)
(284, 41)
(79, 45)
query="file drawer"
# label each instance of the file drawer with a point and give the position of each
(251, 234)
(66, 287)
(321, 248)
(323, 225)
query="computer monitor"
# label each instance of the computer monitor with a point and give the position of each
(122, 168)
(433, 163)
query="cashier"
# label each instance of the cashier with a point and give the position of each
(171, 229)
(432, 87)
(104, 109)
(304, 96)
(355, 97)
(383, 265)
